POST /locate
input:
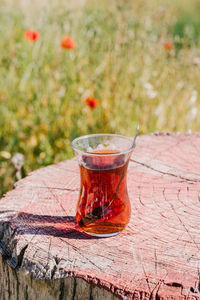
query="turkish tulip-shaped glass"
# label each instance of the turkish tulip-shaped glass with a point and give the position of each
(103, 207)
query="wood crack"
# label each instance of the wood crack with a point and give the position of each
(154, 293)
(74, 289)
(181, 222)
(61, 296)
(46, 187)
(21, 256)
(80, 253)
(26, 293)
(165, 173)
(91, 297)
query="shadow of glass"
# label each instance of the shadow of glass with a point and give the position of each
(58, 226)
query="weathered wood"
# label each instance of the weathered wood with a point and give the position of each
(156, 257)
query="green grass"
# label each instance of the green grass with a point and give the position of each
(118, 58)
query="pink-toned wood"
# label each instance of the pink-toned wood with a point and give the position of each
(156, 257)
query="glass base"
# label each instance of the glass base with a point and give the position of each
(103, 234)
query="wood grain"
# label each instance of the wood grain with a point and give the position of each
(156, 257)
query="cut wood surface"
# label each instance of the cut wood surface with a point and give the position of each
(156, 257)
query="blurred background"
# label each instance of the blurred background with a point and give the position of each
(128, 62)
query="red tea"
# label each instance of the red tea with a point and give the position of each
(103, 207)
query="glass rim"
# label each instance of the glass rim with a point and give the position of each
(102, 154)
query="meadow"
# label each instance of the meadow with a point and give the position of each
(139, 59)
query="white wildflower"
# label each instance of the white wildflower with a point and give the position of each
(180, 85)
(18, 161)
(152, 94)
(148, 86)
(80, 90)
(158, 110)
(150, 91)
(193, 98)
(192, 114)
(196, 61)
(5, 154)
(62, 92)
(100, 68)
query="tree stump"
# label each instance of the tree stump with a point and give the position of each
(157, 256)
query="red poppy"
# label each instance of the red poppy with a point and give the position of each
(92, 102)
(67, 43)
(31, 36)
(168, 45)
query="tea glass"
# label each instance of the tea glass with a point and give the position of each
(103, 208)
